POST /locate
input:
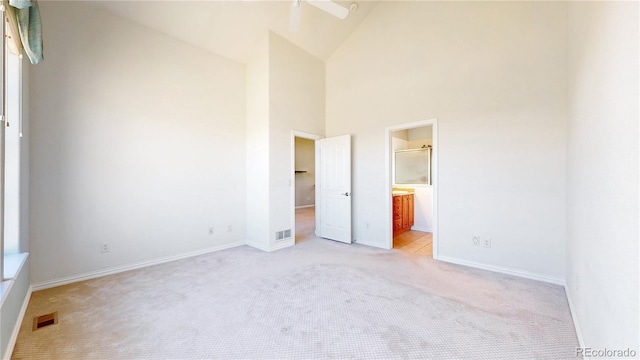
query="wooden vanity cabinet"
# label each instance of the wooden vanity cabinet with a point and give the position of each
(402, 213)
(397, 214)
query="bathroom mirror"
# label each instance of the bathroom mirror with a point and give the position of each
(413, 166)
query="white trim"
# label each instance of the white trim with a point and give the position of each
(5, 288)
(305, 206)
(257, 246)
(318, 217)
(7, 284)
(16, 328)
(574, 316)
(13, 265)
(434, 178)
(278, 246)
(304, 135)
(3, 130)
(372, 244)
(502, 270)
(283, 245)
(118, 269)
(20, 109)
(418, 228)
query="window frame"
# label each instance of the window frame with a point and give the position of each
(11, 46)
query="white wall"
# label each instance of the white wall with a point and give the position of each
(257, 192)
(420, 136)
(138, 140)
(602, 178)
(494, 74)
(286, 91)
(305, 182)
(398, 142)
(422, 208)
(296, 102)
(420, 133)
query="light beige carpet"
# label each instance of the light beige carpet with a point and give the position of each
(317, 300)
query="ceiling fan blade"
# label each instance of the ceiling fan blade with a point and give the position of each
(294, 18)
(330, 7)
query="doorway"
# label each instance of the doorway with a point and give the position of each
(412, 187)
(303, 188)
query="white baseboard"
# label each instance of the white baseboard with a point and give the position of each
(16, 328)
(305, 206)
(257, 246)
(502, 270)
(283, 244)
(118, 269)
(418, 228)
(372, 244)
(278, 246)
(574, 316)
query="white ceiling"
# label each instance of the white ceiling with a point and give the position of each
(231, 28)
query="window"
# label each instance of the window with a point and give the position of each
(12, 156)
(10, 139)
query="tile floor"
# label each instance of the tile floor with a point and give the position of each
(415, 242)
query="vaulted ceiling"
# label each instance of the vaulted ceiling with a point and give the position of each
(231, 28)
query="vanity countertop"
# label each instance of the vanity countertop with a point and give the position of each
(400, 192)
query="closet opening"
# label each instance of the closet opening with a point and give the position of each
(304, 162)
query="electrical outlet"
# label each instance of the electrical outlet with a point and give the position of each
(229, 228)
(476, 240)
(211, 230)
(486, 242)
(367, 224)
(104, 248)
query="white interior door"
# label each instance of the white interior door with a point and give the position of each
(335, 188)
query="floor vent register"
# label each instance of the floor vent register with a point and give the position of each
(45, 320)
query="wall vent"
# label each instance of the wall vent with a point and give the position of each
(284, 234)
(45, 320)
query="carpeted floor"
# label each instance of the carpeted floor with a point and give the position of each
(317, 300)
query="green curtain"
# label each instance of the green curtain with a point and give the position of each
(30, 28)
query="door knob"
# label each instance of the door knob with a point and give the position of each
(345, 194)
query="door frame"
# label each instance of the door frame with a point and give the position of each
(389, 177)
(309, 136)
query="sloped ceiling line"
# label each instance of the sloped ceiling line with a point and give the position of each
(229, 28)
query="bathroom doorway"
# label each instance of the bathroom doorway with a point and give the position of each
(412, 183)
(304, 162)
